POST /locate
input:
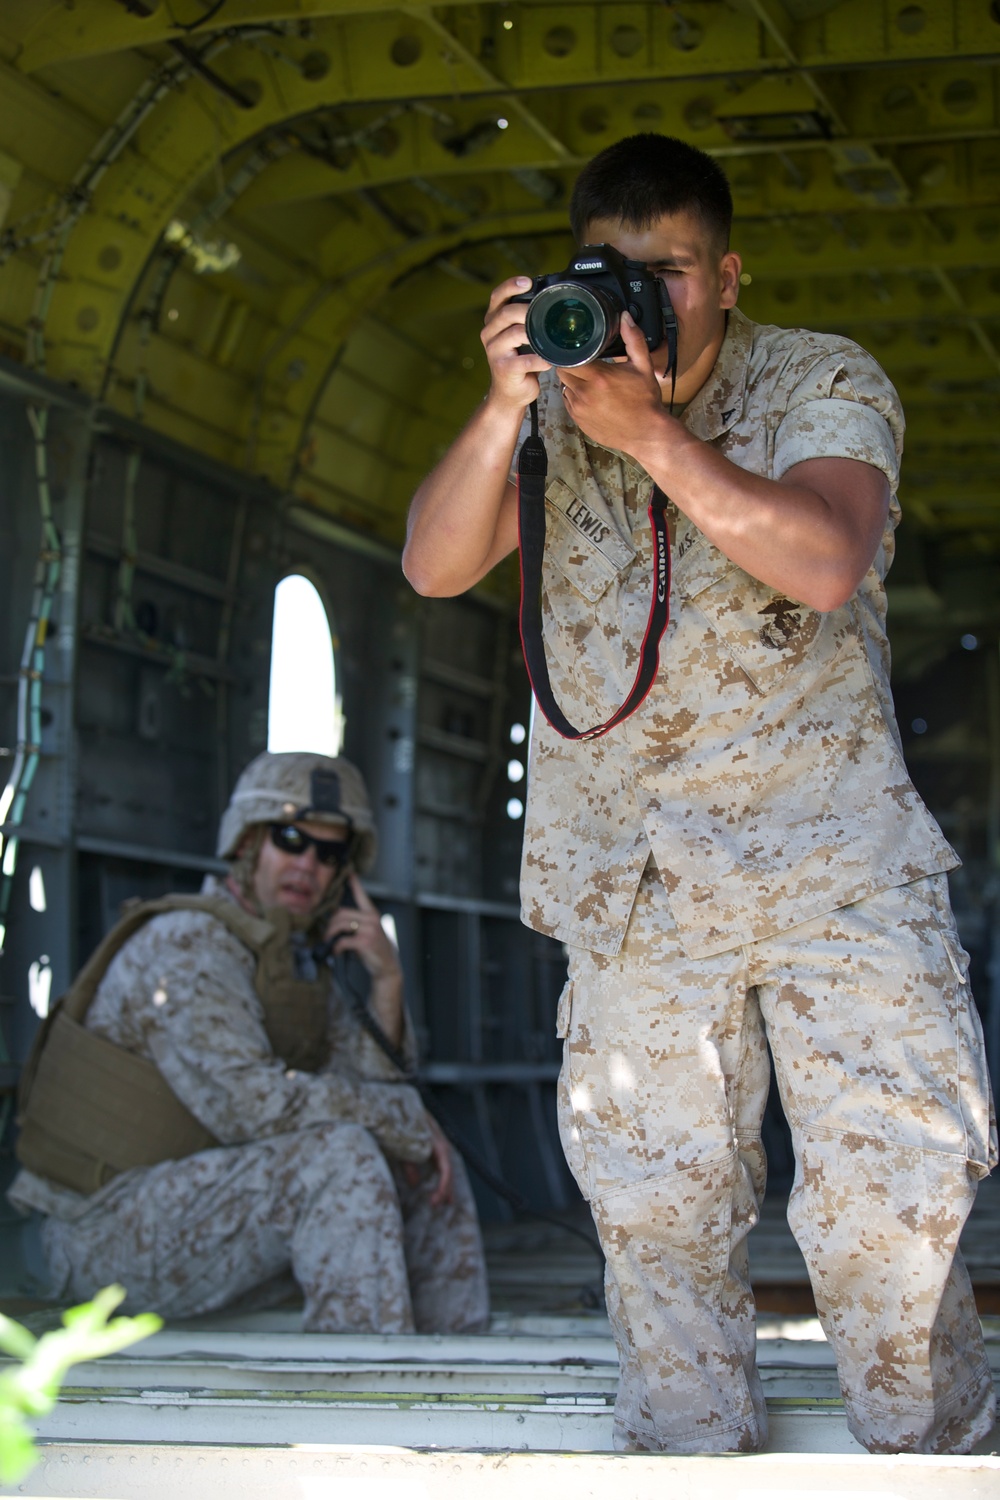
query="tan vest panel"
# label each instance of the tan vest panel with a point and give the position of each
(90, 1109)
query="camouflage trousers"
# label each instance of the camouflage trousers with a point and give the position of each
(880, 1063)
(369, 1251)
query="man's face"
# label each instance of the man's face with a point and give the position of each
(298, 882)
(703, 283)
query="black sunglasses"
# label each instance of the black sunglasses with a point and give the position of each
(292, 840)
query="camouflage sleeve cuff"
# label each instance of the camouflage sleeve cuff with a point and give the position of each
(372, 1063)
(395, 1115)
(835, 428)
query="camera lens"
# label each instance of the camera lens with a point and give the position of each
(569, 324)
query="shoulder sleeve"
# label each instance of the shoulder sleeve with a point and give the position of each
(842, 406)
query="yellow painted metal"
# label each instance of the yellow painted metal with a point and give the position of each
(937, 174)
(608, 39)
(376, 169)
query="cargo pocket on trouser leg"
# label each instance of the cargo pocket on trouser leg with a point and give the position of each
(974, 1091)
(569, 1130)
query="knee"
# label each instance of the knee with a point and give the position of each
(343, 1156)
(344, 1136)
(349, 1182)
(684, 1204)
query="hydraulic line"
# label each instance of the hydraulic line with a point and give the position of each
(48, 566)
(77, 197)
(124, 615)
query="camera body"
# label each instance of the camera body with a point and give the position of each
(574, 315)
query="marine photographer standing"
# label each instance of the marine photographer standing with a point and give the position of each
(743, 856)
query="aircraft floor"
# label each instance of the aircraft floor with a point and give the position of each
(245, 1404)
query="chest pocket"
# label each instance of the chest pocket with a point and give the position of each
(581, 542)
(764, 633)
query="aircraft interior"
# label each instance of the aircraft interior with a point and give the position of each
(245, 251)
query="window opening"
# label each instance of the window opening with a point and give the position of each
(40, 986)
(303, 705)
(36, 889)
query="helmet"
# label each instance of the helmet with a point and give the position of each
(300, 786)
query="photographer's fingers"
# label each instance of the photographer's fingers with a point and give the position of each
(636, 354)
(504, 333)
(635, 345)
(512, 287)
(508, 349)
(514, 374)
(507, 315)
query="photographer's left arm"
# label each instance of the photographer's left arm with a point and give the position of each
(812, 534)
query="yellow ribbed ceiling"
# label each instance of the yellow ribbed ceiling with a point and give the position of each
(270, 230)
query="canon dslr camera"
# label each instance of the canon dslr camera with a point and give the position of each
(574, 315)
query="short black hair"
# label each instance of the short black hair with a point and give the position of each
(642, 177)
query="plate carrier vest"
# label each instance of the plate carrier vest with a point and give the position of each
(89, 1109)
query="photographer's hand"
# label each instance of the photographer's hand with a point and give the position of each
(617, 403)
(463, 518)
(812, 534)
(513, 375)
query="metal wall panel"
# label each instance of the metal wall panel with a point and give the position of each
(160, 697)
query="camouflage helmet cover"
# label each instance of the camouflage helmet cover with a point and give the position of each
(300, 786)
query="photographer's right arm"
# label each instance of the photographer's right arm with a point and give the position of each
(463, 518)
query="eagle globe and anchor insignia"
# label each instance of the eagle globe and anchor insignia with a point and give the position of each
(784, 624)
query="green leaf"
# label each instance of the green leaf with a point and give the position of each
(87, 1335)
(17, 1451)
(31, 1388)
(15, 1339)
(94, 1314)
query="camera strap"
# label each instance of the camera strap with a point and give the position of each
(532, 467)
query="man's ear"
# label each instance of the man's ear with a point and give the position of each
(248, 841)
(730, 268)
